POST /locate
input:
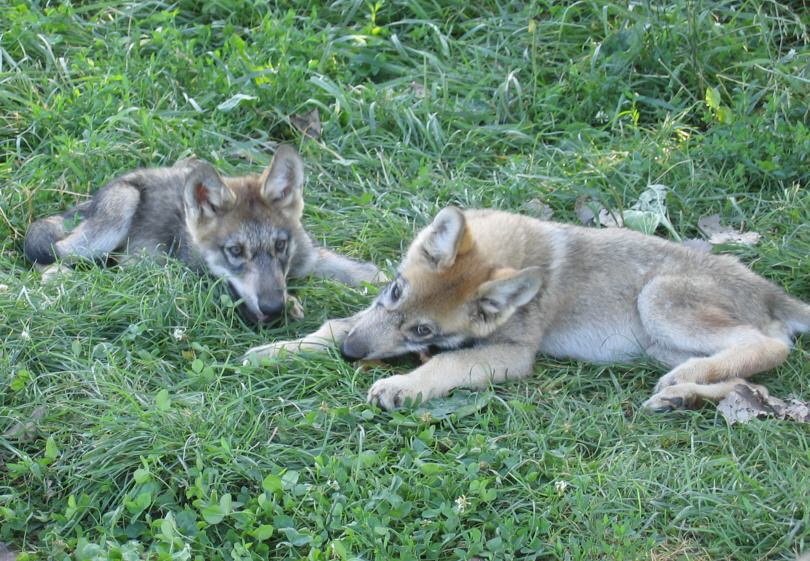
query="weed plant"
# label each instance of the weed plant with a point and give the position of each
(130, 430)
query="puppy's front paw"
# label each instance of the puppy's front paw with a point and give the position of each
(294, 308)
(667, 380)
(276, 351)
(52, 272)
(673, 398)
(660, 403)
(393, 392)
(284, 350)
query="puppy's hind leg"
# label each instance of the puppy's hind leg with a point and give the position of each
(711, 378)
(709, 348)
(107, 225)
(689, 395)
(748, 352)
(44, 233)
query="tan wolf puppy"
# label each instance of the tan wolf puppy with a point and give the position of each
(498, 288)
(246, 230)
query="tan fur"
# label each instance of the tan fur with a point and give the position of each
(496, 288)
(246, 230)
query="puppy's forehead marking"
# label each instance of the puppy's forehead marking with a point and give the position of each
(433, 296)
(259, 236)
(457, 282)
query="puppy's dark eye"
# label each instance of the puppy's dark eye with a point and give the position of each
(396, 292)
(423, 330)
(235, 250)
(281, 245)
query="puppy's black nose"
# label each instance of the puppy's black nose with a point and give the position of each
(352, 350)
(272, 308)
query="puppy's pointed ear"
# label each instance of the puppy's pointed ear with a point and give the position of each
(283, 180)
(205, 194)
(497, 299)
(446, 238)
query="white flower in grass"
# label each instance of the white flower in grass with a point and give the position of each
(178, 334)
(561, 486)
(462, 503)
(25, 336)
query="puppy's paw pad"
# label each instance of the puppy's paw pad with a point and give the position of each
(294, 308)
(392, 393)
(273, 351)
(661, 403)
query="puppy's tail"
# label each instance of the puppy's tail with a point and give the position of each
(794, 313)
(43, 234)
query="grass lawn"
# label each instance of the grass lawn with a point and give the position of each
(130, 430)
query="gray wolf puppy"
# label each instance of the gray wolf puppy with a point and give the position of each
(246, 230)
(497, 288)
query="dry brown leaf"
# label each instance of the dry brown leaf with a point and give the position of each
(718, 234)
(418, 89)
(608, 219)
(309, 124)
(26, 430)
(747, 402)
(593, 213)
(540, 209)
(744, 238)
(6, 554)
(586, 208)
